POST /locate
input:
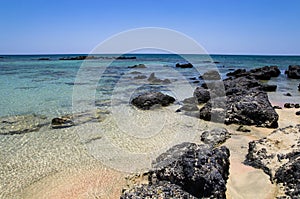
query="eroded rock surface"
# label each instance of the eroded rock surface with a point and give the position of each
(149, 99)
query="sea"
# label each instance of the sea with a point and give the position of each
(92, 158)
(49, 85)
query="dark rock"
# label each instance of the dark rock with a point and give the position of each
(289, 175)
(264, 73)
(243, 129)
(269, 88)
(155, 80)
(272, 152)
(215, 137)
(196, 82)
(81, 57)
(147, 100)
(138, 66)
(135, 73)
(126, 57)
(193, 78)
(298, 113)
(288, 105)
(200, 170)
(211, 75)
(287, 94)
(163, 190)
(202, 95)
(62, 122)
(140, 77)
(297, 106)
(237, 73)
(277, 107)
(246, 104)
(299, 87)
(187, 65)
(293, 72)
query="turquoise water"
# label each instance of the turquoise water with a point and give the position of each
(30, 85)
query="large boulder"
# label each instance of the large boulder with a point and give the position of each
(149, 99)
(293, 71)
(211, 75)
(200, 170)
(246, 104)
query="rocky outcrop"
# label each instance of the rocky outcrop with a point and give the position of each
(264, 73)
(269, 87)
(163, 190)
(200, 170)
(293, 72)
(187, 65)
(186, 170)
(147, 100)
(22, 124)
(215, 137)
(246, 104)
(273, 151)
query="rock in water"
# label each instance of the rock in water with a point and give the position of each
(163, 190)
(264, 73)
(293, 72)
(245, 104)
(200, 170)
(147, 100)
(215, 137)
(211, 75)
(62, 122)
(187, 65)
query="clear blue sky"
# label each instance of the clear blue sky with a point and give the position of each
(220, 26)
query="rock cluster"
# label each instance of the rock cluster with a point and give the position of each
(186, 170)
(264, 73)
(246, 103)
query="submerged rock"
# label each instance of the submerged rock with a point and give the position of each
(147, 100)
(138, 66)
(293, 71)
(200, 170)
(215, 137)
(22, 124)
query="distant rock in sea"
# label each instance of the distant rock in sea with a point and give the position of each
(138, 66)
(187, 65)
(264, 73)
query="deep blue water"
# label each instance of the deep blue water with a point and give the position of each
(30, 85)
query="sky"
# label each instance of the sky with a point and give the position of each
(260, 27)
